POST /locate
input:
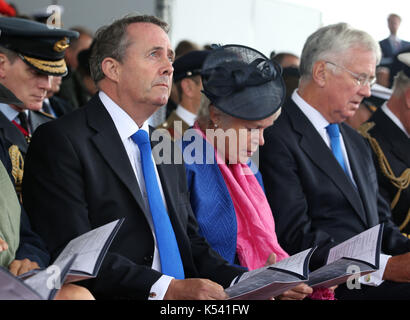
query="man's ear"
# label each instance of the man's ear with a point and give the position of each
(407, 95)
(319, 74)
(187, 86)
(3, 65)
(214, 115)
(111, 69)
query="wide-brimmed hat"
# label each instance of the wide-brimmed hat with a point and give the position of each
(242, 82)
(38, 45)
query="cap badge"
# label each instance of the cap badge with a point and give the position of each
(61, 45)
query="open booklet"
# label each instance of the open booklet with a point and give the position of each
(272, 280)
(358, 255)
(43, 285)
(90, 249)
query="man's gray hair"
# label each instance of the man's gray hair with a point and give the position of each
(333, 41)
(401, 83)
(112, 41)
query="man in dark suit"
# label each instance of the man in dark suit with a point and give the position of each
(388, 132)
(318, 198)
(96, 174)
(392, 45)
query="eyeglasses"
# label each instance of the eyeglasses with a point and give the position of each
(361, 79)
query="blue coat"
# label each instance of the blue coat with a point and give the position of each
(210, 198)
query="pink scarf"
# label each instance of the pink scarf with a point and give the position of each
(256, 238)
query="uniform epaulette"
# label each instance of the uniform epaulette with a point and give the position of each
(48, 115)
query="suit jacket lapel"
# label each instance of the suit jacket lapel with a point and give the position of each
(109, 144)
(313, 145)
(359, 170)
(168, 177)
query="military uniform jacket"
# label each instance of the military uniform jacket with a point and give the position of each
(11, 135)
(396, 148)
(175, 130)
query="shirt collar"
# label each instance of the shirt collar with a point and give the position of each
(315, 117)
(8, 111)
(393, 118)
(125, 125)
(186, 115)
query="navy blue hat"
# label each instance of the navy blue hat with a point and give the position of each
(242, 82)
(40, 46)
(189, 64)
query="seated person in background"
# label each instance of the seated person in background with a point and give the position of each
(287, 59)
(388, 131)
(187, 80)
(83, 71)
(369, 105)
(72, 87)
(227, 198)
(290, 64)
(53, 105)
(182, 48)
(321, 182)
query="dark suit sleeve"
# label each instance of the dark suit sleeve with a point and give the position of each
(31, 245)
(285, 192)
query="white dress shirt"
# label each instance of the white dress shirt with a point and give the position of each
(126, 127)
(320, 124)
(185, 115)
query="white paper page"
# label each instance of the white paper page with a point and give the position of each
(362, 247)
(88, 247)
(11, 288)
(293, 263)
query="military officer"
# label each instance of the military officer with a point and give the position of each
(187, 79)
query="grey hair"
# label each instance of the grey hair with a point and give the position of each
(333, 41)
(401, 83)
(112, 41)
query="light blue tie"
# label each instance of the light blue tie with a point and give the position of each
(171, 262)
(334, 134)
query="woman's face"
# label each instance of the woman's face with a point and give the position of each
(237, 139)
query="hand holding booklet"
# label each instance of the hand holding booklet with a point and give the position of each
(361, 252)
(81, 259)
(272, 280)
(43, 285)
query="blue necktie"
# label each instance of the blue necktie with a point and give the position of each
(334, 134)
(171, 262)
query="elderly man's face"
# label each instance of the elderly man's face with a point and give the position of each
(343, 93)
(25, 82)
(146, 70)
